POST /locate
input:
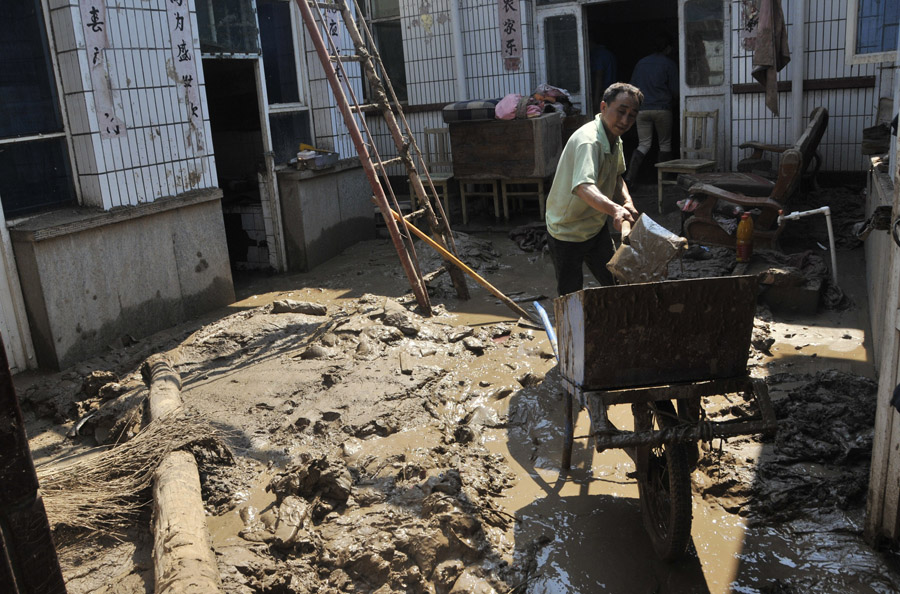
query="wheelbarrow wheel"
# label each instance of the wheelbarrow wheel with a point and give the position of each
(664, 484)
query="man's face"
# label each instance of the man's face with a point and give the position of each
(618, 117)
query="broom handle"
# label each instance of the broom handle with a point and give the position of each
(447, 255)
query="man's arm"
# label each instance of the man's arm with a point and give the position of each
(623, 197)
(592, 195)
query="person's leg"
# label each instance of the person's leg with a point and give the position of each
(663, 123)
(567, 258)
(600, 250)
(644, 126)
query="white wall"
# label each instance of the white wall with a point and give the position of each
(160, 153)
(849, 110)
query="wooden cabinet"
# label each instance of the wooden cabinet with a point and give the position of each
(505, 149)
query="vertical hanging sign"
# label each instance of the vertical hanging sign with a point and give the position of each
(334, 32)
(93, 18)
(510, 33)
(179, 19)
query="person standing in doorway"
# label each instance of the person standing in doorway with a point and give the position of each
(588, 191)
(657, 77)
(604, 72)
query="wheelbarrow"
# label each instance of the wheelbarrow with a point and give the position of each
(661, 347)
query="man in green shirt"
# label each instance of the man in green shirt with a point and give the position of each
(588, 189)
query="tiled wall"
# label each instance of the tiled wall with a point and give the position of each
(431, 70)
(256, 241)
(328, 123)
(485, 76)
(161, 153)
(849, 110)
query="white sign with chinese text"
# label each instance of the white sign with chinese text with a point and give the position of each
(185, 61)
(510, 33)
(93, 19)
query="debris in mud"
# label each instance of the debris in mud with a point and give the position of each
(531, 237)
(477, 254)
(424, 527)
(820, 456)
(302, 307)
(96, 380)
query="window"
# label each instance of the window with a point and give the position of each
(561, 41)
(383, 18)
(227, 27)
(35, 170)
(704, 43)
(279, 27)
(872, 28)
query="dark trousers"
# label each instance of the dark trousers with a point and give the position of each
(568, 257)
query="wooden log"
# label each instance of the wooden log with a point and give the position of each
(182, 555)
(183, 559)
(165, 386)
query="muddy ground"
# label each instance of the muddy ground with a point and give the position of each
(366, 448)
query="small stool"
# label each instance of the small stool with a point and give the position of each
(536, 188)
(478, 188)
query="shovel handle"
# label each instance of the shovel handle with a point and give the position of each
(626, 230)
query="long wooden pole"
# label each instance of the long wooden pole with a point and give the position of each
(448, 256)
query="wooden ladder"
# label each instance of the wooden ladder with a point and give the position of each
(370, 61)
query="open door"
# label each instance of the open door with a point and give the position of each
(704, 64)
(560, 43)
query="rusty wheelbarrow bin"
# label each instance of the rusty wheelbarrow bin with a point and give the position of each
(660, 347)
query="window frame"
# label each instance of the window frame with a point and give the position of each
(851, 56)
(294, 107)
(297, 33)
(368, 10)
(65, 131)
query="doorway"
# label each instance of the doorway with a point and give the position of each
(238, 142)
(627, 29)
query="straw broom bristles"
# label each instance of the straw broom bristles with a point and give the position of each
(104, 493)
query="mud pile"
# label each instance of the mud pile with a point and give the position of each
(819, 459)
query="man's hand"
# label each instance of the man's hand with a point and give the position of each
(629, 206)
(621, 214)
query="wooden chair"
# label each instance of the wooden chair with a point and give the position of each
(751, 191)
(436, 153)
(699, 130)
(479, 188)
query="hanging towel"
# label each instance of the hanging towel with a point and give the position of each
(772, 53)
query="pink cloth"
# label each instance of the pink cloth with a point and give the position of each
(772, 52)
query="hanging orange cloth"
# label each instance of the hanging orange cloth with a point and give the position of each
(772, 53)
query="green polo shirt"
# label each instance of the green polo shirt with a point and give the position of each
(586, 158)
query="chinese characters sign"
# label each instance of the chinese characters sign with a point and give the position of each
(510, 33)
(93, 18)
(185, 60)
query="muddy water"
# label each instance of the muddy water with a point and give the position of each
(587, 525)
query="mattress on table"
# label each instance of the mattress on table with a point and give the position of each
(466, 111)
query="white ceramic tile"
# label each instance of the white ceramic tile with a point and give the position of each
(85, 160)
(61, 21)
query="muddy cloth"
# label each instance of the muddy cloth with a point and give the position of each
(772, 52)
(531, 237)
(820, 458)
(847, 210)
